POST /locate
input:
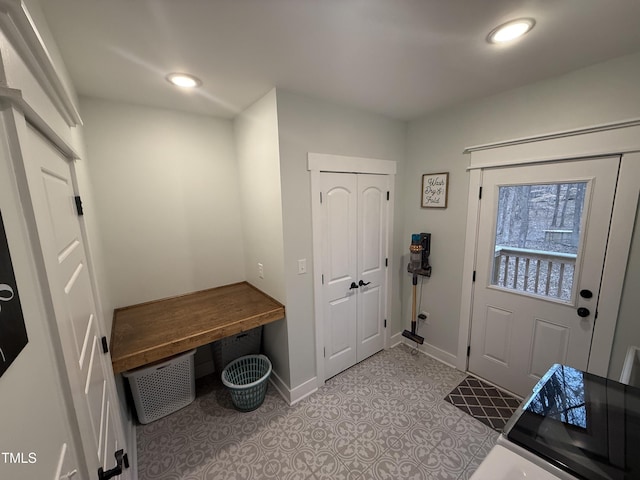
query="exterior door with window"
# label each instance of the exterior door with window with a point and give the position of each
(541, 243)
(354, 250)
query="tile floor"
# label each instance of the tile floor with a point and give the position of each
(384, 418)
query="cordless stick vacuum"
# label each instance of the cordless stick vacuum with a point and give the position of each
(420, 246)
(412, 335)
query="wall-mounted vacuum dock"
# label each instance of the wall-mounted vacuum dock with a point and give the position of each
(420, 249)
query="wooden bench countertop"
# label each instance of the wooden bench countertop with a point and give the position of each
(156, 330)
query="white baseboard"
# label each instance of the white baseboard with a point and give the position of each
(296, 394)
(304, 390)
(435, 352)
(395, 340)
(280, 386)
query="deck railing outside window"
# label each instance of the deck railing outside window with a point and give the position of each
(534, 271)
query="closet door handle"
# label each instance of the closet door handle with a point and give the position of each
(363, 284)
(353, 285)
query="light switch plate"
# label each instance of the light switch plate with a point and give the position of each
(302, 266)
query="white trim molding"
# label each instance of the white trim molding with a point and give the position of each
(395, 340)
(620, 138)
(21, 31)
(466, 303)
(604, 140)
(14, 98)
(615, 265)
(341, 163)
(297, 394)
(432, 351)
(556, 135)
(132, 450)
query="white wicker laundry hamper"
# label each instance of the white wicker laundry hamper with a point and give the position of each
(163, 388)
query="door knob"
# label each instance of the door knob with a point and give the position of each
(353, 285)
(583, 312)
(586, 293)
(363, 284)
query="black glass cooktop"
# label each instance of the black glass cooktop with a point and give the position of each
(586, 425)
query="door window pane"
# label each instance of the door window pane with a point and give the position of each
(537, 238)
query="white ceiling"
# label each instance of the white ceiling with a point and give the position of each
(400, 58)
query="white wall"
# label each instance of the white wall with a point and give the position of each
(165, 186)
(258, 157)
(602, 93)
(308, 125)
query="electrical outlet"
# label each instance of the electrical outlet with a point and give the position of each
(260, 270)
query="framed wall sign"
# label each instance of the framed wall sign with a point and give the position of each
(435, 189)
(13, 333)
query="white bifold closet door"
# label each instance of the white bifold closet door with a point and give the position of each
(354, 252)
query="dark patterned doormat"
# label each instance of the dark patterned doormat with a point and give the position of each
(491, 406)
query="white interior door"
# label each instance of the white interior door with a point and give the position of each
(339, 227)
(371, 255)
(541, 243)
(89, 369)
(354, 245)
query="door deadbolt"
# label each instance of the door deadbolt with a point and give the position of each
(586, 293)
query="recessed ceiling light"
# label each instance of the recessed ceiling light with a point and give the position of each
(511, 30)
(183, 80)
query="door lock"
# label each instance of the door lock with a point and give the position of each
(586, 293)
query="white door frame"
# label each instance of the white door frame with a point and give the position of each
(610, 139)
(320, 162)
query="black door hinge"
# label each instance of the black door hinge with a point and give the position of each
(386, 262)
(385, 323)
(325, 352)
(387, 195)
(480, 194)
(320, 197)
(474, 276)
(105, 345)
(323, 278)
(468, 350)
(78, 205)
